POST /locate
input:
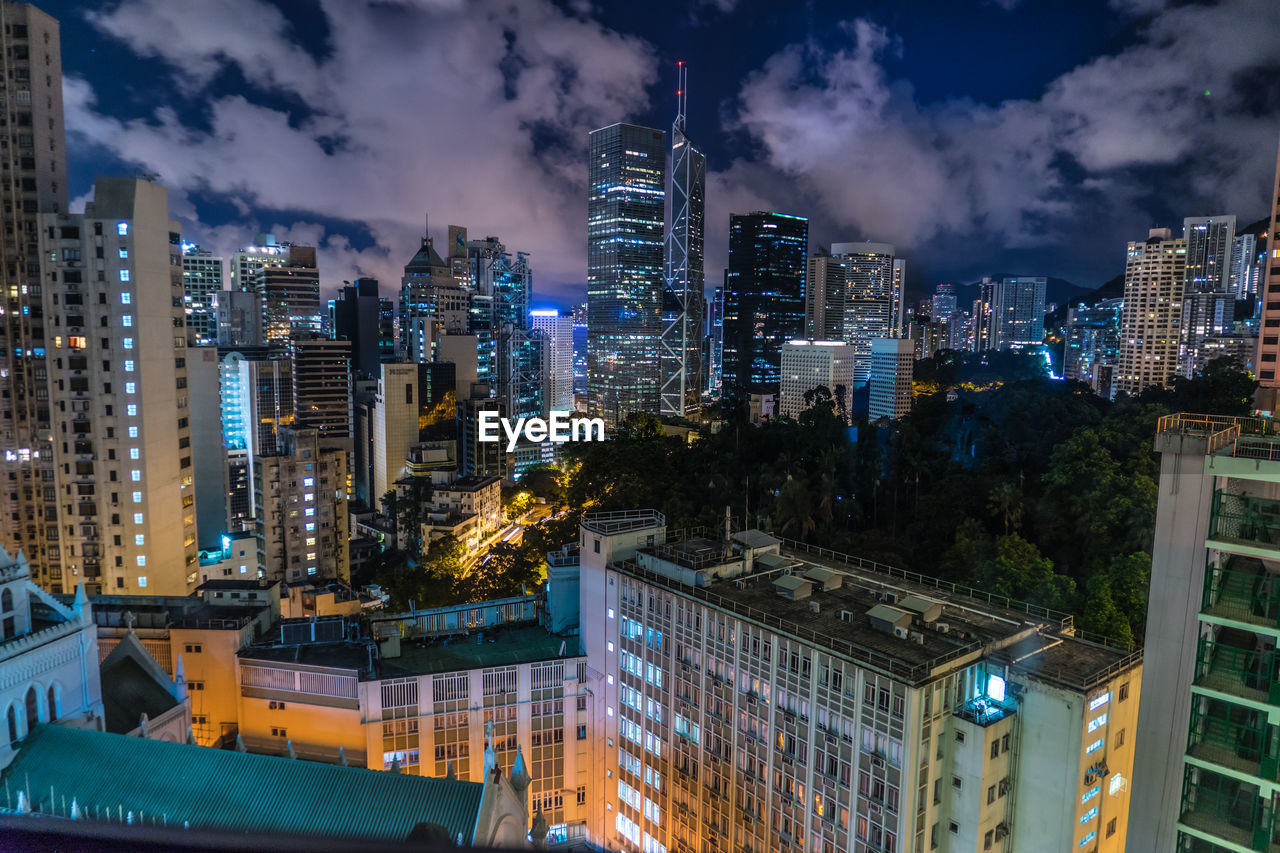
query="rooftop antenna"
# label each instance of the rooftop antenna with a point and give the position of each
(682, 93)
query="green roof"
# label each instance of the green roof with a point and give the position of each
(228, 790)
(499, 647)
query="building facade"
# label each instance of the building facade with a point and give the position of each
(892, 368)
(124, 480)
(557, 373)
(764, 304)
(1204, 773)
(35, 161)
(202, 291)
(757, 697)
(807, 365)
(1092, 345)
(1209, 246)
(871, 305)
(1151, 322)
(1269, 340)
(625, 230)
(302, 524)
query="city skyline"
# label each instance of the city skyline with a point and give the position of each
(1079, 129)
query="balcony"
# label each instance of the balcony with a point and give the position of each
(1229, 810)
(1242, 591)
(1233, 737)
(1244, 520)
(1231, 665)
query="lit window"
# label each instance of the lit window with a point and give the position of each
(311, 525)
(122, 228)
(1098, 701)
(127, 343)
(128, 365)
(139, 539)
(130, 388)
(310, 511)
(308, 481)
(142, 561)
(124, 253)
(1090, 794)
(126, 298)
(1097, 722)
(133, 432)
(1089, 815)
(131, 410)
(137, 498)
(1083, 841)
(135, 475)
(137, 517)
(124, 275)
(1094, 747)
(311, 555)
(142, 580)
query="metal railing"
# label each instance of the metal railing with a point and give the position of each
(622, 520)
(1244, 518)
(1242, 594)
(1243, 437)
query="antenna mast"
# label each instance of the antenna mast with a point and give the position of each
(682, 92)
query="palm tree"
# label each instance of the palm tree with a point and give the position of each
(1005, 502)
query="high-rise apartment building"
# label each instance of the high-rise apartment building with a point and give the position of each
(290, 294)
(300, 492)
(625, 229)
(358, 317)
(807, 365)
(33, 151)
(1150, 324)
(892, 366)
(320, 370)
(266, 251)
(1092, 347)
(824, 292)
(395, 425)
(943, 303)
(1246, 267)
(432, 302)
(1269, 340)
(123, 480)
(871, 306)
(202, 291)
(1209, 244)
(764, 304)
(239, 318)
(557, 375)
(1204, 770)
(680, 353)
(1206, 316)
(208, 456)
(758, 696)
(1010, 313)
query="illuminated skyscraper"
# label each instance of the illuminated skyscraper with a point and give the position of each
(682, 297)
(1152, 316)
(870, 309)
(763, 298)
(33, 151)
(557, 374)
(290, 293)
(824, 297)
(1209, 240)
(625, 215)
(1010, 312)
(202, 289)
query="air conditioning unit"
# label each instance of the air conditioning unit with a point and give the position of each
(877, 761)
(941, 627)
(900, 632)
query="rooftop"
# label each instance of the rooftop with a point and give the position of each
(492, 647)
(228, 790)
(1227, 435)
(946, 625)
(162, 611)
(623, 521)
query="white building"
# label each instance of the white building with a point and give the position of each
(395, 426)
(892, 364)
(756, 696)
(118, 395)
(1151, 321)
(48, 657)
(807, 365)
(557, 369)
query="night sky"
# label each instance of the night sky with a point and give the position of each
(1018, 136)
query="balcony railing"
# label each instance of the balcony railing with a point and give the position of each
(1243, 591)
(1227, 809)
(1245, 672)
(1231, 736)
(1245, 520)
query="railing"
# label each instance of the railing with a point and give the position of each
(1242, 437)
(1226, 808)
(1249, 595)
(1245, 519)
(1231, 743)
(1247, 673)
(621, 520)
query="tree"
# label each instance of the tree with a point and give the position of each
(1005, 503)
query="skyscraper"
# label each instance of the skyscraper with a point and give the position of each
(764, 298)
(682, 296)
(126, 522)
(625, 216)
(807, 365)
(715, 347)
(358, 318)
(1209, 240)
(1206, 315)
(869, 305)
(249, 261)
(33, 151)
(202, 291)
(1150, 324)
(1010, 312)
(1246, 266)
(824, 297)
(300, 490)
(1093, 344)
(432, 302)
(321, 373)
(892, 363)
(1269, 342)
(290, 294)
(557, 377)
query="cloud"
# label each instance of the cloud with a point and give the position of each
(832, 131)
(475, 112)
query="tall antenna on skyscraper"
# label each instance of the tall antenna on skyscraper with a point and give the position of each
(682, 91)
